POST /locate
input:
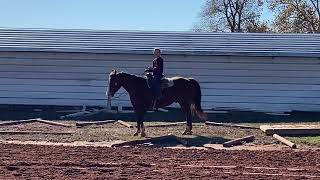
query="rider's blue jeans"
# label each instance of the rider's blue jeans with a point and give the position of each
(156, 85)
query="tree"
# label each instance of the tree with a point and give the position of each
(254, 25)
(297, 16)
(231, 15)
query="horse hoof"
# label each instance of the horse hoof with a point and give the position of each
(187, 133)
(136, 134)
(143, 135)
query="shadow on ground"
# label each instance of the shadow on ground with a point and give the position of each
(199, 141)
(172, 141)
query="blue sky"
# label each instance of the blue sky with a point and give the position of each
(169, 15)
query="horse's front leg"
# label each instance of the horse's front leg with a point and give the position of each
(140, 126)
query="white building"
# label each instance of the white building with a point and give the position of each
(261, 72)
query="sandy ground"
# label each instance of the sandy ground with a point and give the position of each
(86, 153)
(66, 162)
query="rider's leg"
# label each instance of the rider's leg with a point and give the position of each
(157, 89)
(153, 89)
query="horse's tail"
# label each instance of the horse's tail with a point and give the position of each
(196, 105)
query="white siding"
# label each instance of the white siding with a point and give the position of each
(255, 83)
(135, 42)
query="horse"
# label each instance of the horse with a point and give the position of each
(184, 91)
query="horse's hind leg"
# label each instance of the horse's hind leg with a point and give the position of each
(187, 112)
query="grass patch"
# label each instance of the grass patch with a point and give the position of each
(307, 140)
(302, 140)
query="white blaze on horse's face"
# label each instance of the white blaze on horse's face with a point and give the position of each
(114, 86)
(110, 92)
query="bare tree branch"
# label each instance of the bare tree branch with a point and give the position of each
(307, 15)
(233, 15)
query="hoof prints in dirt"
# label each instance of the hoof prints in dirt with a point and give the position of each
(12, 168)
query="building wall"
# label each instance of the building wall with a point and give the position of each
(253, 83)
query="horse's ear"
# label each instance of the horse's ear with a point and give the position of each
(114, 71)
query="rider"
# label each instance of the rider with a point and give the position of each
(157, 71)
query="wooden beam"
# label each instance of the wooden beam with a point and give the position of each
(18, 122)
(285, 141)
(167, 124)
(66, 111)
(277, 113)
(82, 124)
(53, 123)
(126, 111)
(216, 112)
(125, 124)
(230, 125)
(238, 141)
(296, 129)
(163, 110)
(35, 132)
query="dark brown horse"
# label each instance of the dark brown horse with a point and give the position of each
(185, 91)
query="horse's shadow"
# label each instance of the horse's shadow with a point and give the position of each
(188, 141)
(200, 141)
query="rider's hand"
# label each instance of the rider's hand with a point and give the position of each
(148, 69)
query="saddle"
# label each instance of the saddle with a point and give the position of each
(165, 82)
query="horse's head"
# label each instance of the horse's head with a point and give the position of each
(114, 83)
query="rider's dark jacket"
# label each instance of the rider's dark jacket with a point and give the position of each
(158, 66)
